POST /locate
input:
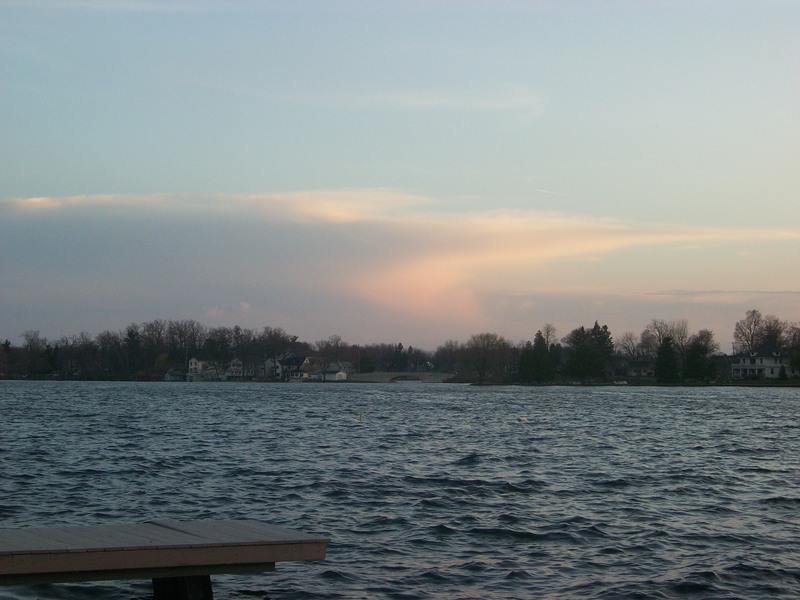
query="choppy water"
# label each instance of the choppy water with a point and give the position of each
(439, 493)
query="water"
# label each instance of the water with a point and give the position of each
(438, 491)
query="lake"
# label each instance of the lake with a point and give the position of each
(428, 490)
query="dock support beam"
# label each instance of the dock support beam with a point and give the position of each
(194, 587)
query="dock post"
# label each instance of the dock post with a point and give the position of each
(195, 587)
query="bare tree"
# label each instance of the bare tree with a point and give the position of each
(154, 333)
(76, 354)
(110, 347)
(772, 333)
(274, 341)
(448, 356)
(153, 338)
(488, 353)
(648, 344)
(331, 347)
(793, 336)
(746, 332)
(705, 339)
(549, 334)
(677, 330)
(660, 330)
(185, 338)
(35, 346)
(628, 345)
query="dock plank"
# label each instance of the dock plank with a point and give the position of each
(86, 538)
(152, 549)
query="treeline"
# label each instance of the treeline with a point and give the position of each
(149, 350)
(664, 351)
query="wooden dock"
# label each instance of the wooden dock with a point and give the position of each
(179, 556)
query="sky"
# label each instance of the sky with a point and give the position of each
(412, 172)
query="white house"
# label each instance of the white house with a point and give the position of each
(201, 370)
(235, 371)
(762, 364)
(195, 365)
(315, 368)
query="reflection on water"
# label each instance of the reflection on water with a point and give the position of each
(428, 491)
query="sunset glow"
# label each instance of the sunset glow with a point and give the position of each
(381, 172)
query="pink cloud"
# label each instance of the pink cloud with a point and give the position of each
(405, 258)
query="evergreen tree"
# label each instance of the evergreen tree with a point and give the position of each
(525, 367)
(668, 369)
(133, 348)
(535, 363)
(589, 352)
(543, 369)
(698, 364)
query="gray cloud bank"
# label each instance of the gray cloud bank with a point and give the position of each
(372, 265)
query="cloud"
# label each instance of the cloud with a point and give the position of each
(496, 250)
(386, 259)
(238, 310)
(45, 204)
(726, 296)
(334, 206)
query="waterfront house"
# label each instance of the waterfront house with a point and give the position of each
(340, 370)
(763, 364)
(202, 370)
(175, 375)
(286, 367)
(640, 368)
(235, 371)
(315, 368)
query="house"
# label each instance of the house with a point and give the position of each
(762, 364)
(195, 366)
(315, 368)
(201, 370)
(234, 372)
(343, 365)
(175, 375)
(640, 368)
(285, 368)
(259, 371)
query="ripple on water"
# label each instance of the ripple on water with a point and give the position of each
(438, 492)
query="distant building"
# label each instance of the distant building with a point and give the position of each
(235, 371)
(195, 366)
(284, 368)
(644, 368)
(314, 368)
(200, 370)
(175, 375)
(762, 364)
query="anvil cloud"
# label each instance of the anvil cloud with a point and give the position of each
(371, 265)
